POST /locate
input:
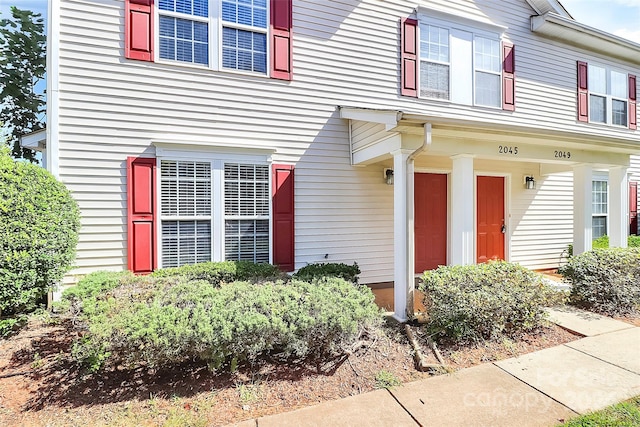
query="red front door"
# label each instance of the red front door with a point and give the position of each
(430, 220)
(490, 218)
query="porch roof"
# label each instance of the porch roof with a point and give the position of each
(380, 131)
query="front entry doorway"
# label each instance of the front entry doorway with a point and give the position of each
(430, 200)
(491, 226)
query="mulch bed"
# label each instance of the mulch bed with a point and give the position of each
(41, 386)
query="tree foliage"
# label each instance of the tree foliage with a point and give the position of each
(22, 65)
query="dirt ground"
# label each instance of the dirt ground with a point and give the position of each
(41, 386)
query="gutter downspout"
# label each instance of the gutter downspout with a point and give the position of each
(410, 264)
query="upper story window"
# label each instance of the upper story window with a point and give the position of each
(434, 62)
(488, 68)
(458, 63)
(607, 96)
(225, 34)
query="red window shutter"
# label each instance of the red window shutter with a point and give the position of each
(409, 57)
(283, 217)
(633, 108)
(633, 208)
(141, 200)
(583, 92)
(508, 76)
(281, 39)
(138, 27)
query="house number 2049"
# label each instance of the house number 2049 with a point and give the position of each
(507, 149)
(562, 154)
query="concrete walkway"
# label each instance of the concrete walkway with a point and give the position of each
(538, 389)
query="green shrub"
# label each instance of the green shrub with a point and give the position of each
(10, 325)
(633, 241)
(313, 272)
(161, 321)
(485, 301)
(39, 222)
(217, 273)
(605, 280)
(601, 242)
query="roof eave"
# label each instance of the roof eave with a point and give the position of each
(574, 33)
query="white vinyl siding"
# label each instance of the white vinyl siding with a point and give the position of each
(345, 53)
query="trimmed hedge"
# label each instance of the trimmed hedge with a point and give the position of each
(606, 281)
(319, 271)
(160, 321)
(39, 223)
(217, 273)
(602, 242)
(484, 302)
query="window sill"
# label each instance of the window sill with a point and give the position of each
(190, 65)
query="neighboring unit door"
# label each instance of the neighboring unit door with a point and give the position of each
(490, 218)
(633, 208)
(430, 201)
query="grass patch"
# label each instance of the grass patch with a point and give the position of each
(625, 414)
(385, 379)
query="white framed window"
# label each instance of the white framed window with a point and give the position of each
(487, 71)
(600, 208)
(213, 210)
(219, 34)
(471, 55)
(434, 62)
(608, 93)
(246, 212)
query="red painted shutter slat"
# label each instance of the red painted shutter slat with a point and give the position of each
(508, 76)
(583, 92)
(633, 208)
(281, 39)
(283, 217)
(409, 57)
(141, 230)
(633, 108)
(138, 27)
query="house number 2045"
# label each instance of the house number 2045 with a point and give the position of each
(507, 149)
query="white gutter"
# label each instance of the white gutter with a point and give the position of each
(555, 26)
(53, 91)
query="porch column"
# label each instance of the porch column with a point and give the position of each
(618, 207)
(582, 208)
(403, 284)
(462, 210)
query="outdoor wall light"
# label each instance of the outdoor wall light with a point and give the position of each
(530, 183)
(388, 176)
